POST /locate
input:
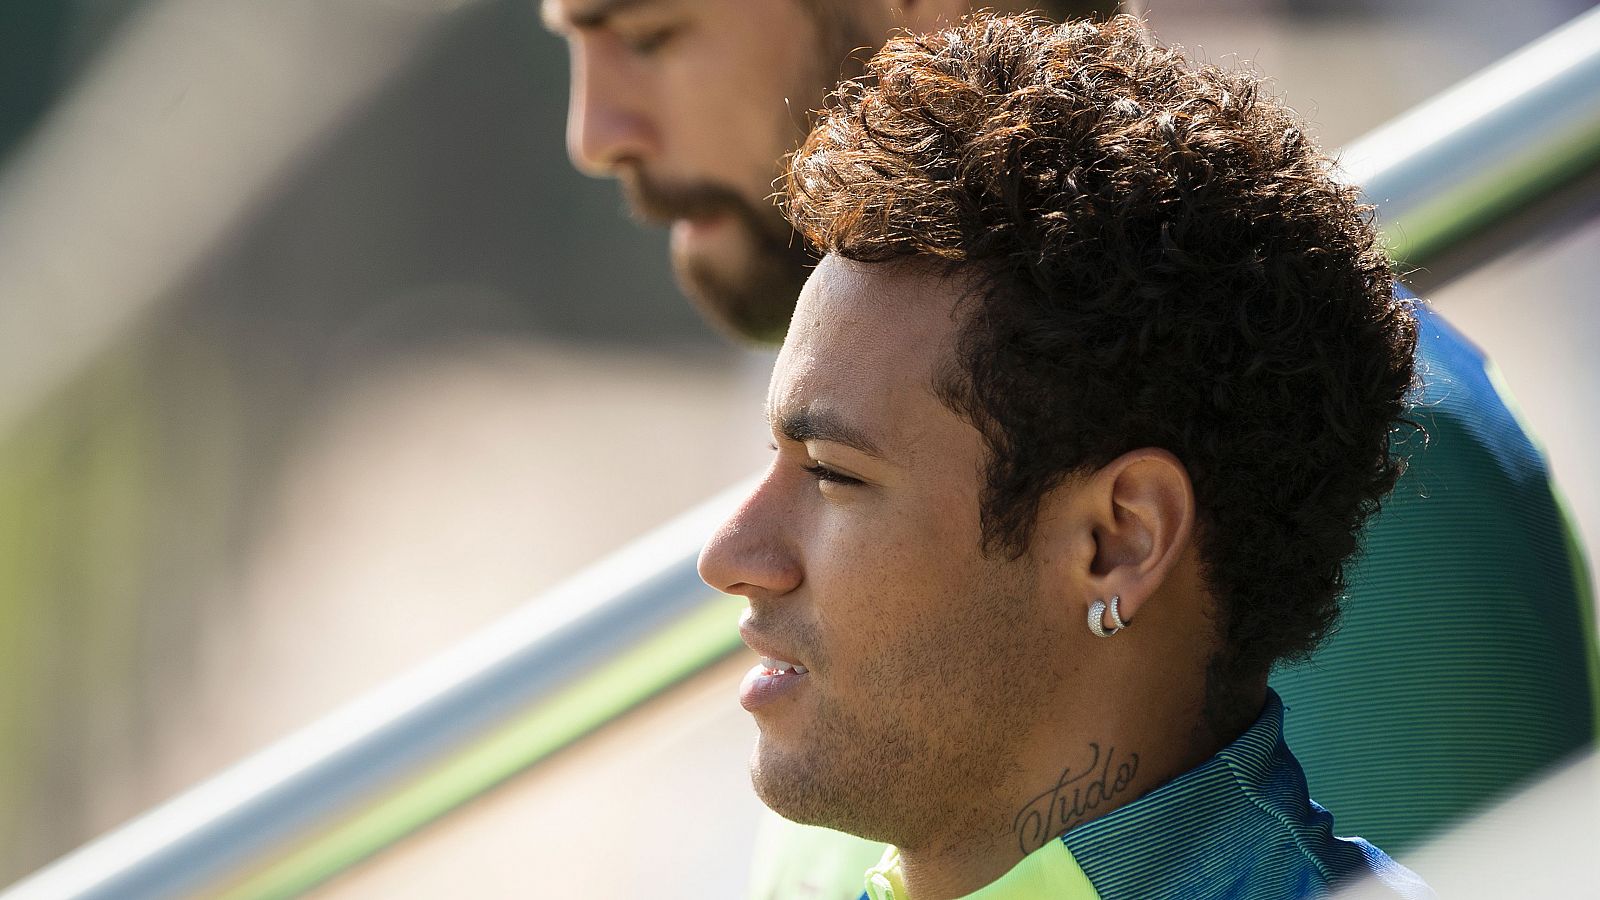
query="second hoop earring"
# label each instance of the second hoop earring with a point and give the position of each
(1097, 615)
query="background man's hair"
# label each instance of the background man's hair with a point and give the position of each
(1162, 259)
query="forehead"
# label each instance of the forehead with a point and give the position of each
(866, 340)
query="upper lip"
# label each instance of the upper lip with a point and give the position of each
(765, 646)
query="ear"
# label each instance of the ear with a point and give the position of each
(1123, 529)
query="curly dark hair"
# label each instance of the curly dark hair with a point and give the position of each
(1163, 259)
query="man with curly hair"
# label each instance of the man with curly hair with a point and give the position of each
(692, 103)
(1077, 423)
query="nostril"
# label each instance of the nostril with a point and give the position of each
(744, 571)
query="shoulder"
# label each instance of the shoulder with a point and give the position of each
(1460, 392)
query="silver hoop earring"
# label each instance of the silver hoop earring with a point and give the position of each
(1097, 614)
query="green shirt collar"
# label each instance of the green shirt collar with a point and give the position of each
(1240, 825)
(1049, 871)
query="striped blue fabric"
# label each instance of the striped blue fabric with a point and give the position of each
(1240, 826)
(1464, 662)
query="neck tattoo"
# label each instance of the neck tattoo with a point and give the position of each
(1076, 795)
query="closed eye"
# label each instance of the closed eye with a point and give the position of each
(651, 42)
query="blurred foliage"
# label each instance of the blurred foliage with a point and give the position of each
(113, 511)
(73, 486)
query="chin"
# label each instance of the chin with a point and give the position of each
(787, 782)
(801, 786)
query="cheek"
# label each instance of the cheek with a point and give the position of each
(752, 84)
(879, 580)
(720, 136)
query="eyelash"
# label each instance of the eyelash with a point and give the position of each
(822, 473)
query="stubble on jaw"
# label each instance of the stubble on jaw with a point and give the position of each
(756, 299)
(924, 762)
(740, 297)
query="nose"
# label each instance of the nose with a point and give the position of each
(607, 119)
(752, 555)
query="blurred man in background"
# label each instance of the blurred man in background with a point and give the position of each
(693, 104)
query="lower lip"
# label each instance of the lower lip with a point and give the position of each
(762, 687)
(701, 227)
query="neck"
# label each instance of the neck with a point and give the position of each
(1070, 779)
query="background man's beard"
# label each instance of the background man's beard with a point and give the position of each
(756, 300)
(753, 297)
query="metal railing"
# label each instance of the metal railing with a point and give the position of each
(641, 620)
(1499, 141)
(382, 766)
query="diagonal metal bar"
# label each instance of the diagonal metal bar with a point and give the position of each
(1493, 144)
(225, 829)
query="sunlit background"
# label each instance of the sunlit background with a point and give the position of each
(316, 356)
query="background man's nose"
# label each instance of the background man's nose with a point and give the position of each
(606, 119)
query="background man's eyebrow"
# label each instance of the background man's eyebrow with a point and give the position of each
(592, 16)
(810, 425)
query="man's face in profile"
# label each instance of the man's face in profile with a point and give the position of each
(692, 105)
(859, 555)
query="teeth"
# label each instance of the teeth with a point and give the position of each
(778, 665)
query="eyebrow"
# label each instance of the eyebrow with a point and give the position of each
(588, 19)
(802, 425)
